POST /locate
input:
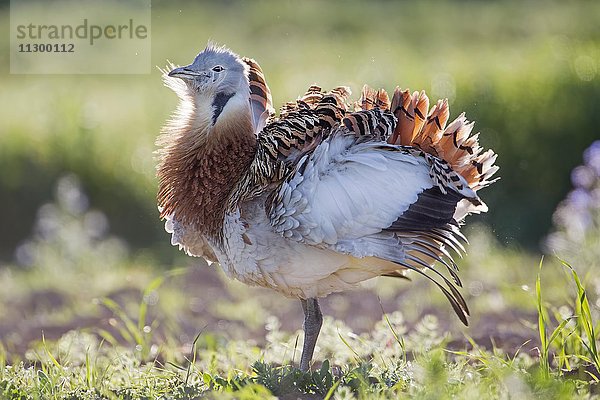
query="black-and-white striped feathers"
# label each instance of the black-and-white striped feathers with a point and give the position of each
(426, 231)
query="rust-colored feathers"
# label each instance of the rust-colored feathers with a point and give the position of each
(424, 128)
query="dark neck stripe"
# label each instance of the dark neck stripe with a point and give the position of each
(219, 103)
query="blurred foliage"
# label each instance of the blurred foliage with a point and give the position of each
(527, 72)
(576, 233)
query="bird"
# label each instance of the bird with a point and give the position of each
(321, 196)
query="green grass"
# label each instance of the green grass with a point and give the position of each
(379, 364)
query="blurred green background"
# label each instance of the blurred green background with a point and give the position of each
(528, 73)
(84, 254)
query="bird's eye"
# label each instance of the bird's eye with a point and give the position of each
(217, 68)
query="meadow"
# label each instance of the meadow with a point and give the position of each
(96, 303)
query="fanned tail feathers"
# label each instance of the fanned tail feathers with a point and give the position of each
(453, 143)
(450, 150)
(426, 129)
(371, 98)
(315, 98)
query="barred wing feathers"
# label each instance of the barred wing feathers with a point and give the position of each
(261, 102)
(388, 181)
(301, 126)
(358, 195)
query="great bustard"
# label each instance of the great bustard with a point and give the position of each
(321, 197)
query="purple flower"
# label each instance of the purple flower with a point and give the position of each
(591, 157)
(577, 217)
(583, 177)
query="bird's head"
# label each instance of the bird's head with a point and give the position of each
(216, 83)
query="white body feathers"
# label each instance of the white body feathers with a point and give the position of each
(325, 234)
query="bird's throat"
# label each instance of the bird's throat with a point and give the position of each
(219, 102)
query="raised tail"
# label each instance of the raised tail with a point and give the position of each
(453, 143)
(426, 241)
(427, 129)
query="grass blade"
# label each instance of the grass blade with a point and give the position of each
(54, 361)
(542, 322)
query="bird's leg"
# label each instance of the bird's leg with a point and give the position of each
(313, 319)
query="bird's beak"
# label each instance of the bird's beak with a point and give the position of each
(184, 73)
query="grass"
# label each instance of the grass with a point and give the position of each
(581, 338)
(82, 366)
